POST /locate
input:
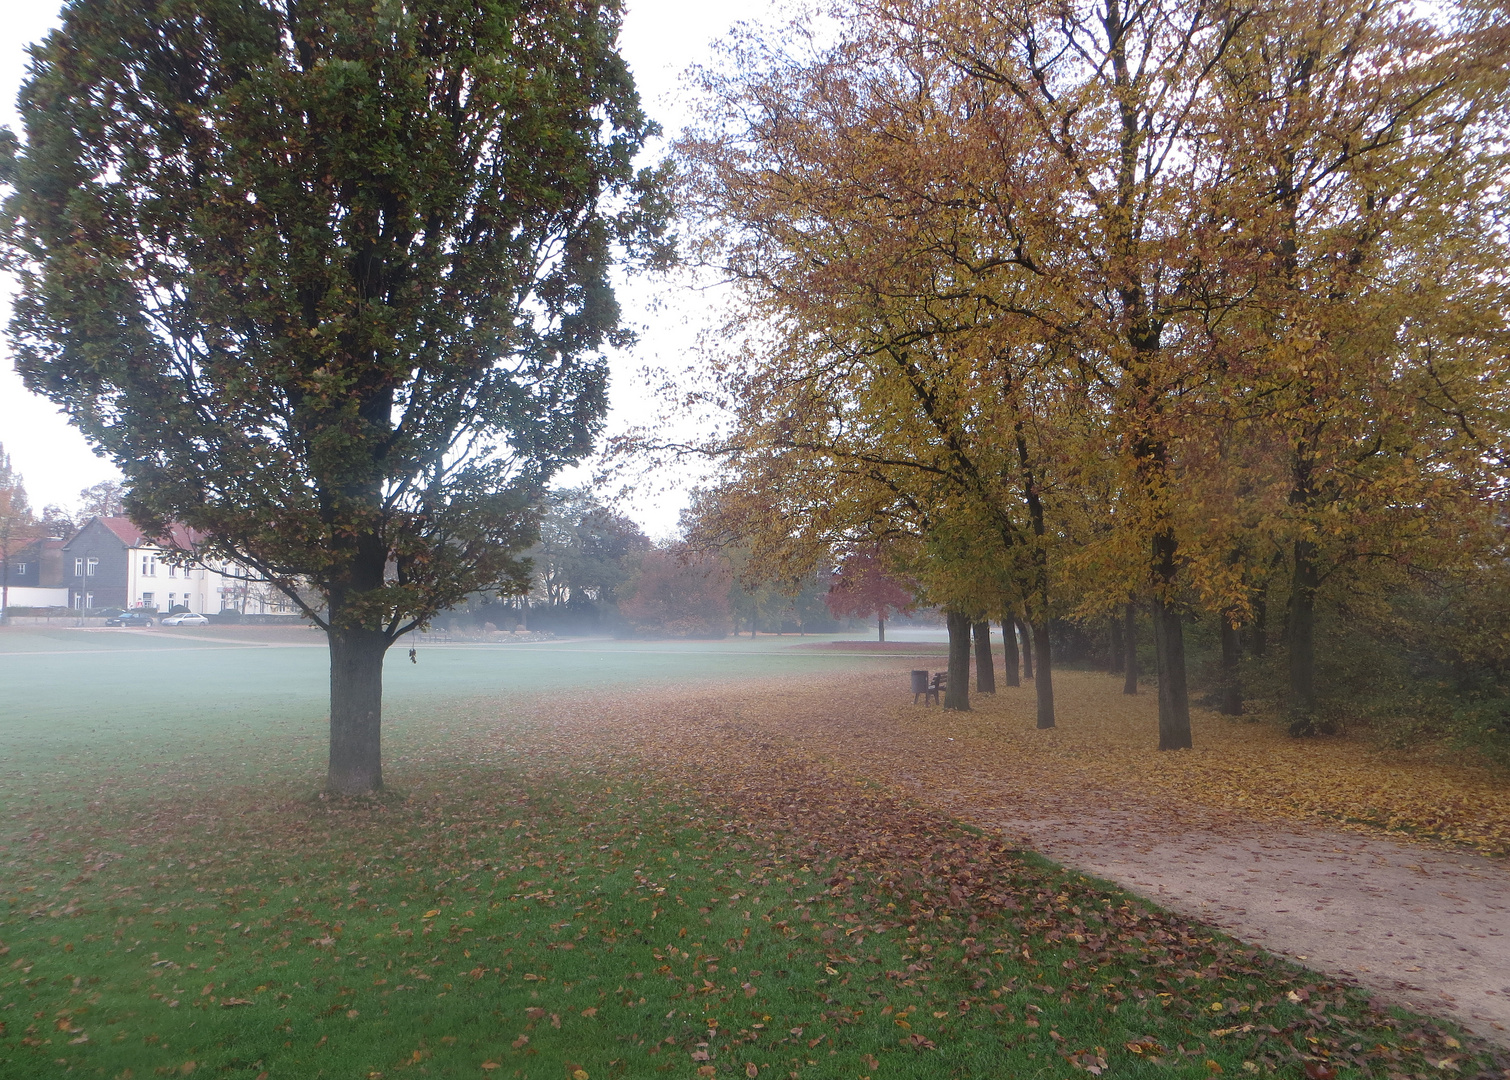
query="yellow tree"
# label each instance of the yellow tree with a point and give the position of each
(1365, 147)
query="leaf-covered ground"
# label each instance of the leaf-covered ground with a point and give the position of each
(1107, 741)
(660, 881)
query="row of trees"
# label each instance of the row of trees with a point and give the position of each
(593, 570)
(1195, 305)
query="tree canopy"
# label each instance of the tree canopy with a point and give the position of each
(329, 282)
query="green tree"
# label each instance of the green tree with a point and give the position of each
(329, 282)
(105, 499)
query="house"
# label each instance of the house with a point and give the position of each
(34, 575)
(111, 563)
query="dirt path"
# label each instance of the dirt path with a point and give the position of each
(1418, 923)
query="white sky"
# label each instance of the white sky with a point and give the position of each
(661, 39)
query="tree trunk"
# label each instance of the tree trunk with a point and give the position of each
(1027, 647)
(1044, 684)
(1303, 585)
(356, 710)
(1260, 636)
(985, 668)
(1231, 691)
(957, 694)
(1169, 650)
(1115, 649)
(881, 627)
(1009, 648)
(1174, 699)
(1130, 643)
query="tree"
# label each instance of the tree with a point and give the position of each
(16, 530)
(864, 588)
(585, 549)
(56, 521)
(678, 592)
(104, 499)
(1368, 154)
(329, 282)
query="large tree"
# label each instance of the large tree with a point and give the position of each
(329, 282)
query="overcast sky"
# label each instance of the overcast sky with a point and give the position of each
(661, 38)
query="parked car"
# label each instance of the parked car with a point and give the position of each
(186, 618)
(130, 618)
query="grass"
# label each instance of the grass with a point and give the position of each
(532, 904)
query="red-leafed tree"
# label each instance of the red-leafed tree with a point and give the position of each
(679, 593)
(863, 586)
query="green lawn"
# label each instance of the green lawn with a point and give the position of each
(177, 903)
(75, 700)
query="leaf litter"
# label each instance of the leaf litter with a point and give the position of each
(815, 924)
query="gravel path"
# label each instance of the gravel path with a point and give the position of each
(1419, 924)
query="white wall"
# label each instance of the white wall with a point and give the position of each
(25, 596)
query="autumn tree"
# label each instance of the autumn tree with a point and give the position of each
(864, 588)
(16, 526)
(1366, 149)
(329, 282)
(906, 347)
(678, 592)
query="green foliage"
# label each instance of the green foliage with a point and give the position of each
(585, 552)
(329, 281)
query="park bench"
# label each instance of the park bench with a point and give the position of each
(929, 689)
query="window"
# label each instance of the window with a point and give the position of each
(94, 565)
(149, 566)
(89, 600)
(172, 570)
(148, 598)
(78, 568)
(20, 569)
(78, 601)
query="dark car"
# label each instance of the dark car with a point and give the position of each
(130, 618)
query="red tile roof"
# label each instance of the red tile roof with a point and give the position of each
(178, 535)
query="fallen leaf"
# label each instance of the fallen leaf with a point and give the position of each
(751, 1071)
(521, 1042)
(231, 1003)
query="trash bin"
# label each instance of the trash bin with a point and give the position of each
(919, 683)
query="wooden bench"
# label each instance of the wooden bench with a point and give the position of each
(930, 690)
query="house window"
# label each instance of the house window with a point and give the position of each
(149, 566)
(89, 600)
(93, 565)
(20, 569)
(78, 601)
(78, 568)
(172, 570)
(148, 598)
